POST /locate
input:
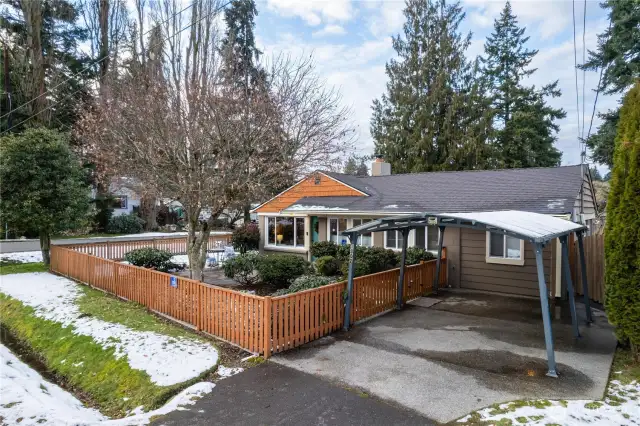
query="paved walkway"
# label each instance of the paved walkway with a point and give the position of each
(271, 394)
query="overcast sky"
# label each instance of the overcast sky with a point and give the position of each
(351, 42)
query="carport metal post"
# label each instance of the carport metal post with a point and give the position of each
(436, 279)
(352, 267)
(585, 286)
(564, 240)
(403, 261)
(546, 314)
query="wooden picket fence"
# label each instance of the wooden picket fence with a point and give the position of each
(115, 250)
(594, 259)
(258, 324)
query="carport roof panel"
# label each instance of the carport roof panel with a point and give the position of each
(526, 225)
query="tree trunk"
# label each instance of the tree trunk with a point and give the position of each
(197, 246)
(247, 213)
(45, 244)
(149, 213)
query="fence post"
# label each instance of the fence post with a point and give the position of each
(266, 326)
(153, 243)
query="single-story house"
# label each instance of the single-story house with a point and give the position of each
(323, 204)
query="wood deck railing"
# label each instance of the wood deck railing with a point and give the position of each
(115, 250)
(258, 324)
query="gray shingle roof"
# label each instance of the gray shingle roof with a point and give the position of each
(550, 190)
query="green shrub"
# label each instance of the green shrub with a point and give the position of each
(280, 270)
(246, 237)
(125, 224)
(305, 282)
(362, 268)
(242, 268)
(622, 232)
(153, 258)
(369, 260)
(324, 248)
(328, 266)
(417, 254)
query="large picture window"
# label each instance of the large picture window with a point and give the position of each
(336, 226)
(427, 238)
(285, 231)
(504, 249)
(393, 240)
(364, 239)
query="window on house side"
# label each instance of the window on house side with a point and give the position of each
(336, 226)
(120, 202)
(393, 240)
(364, 239)
(504, 249)
(427, 238)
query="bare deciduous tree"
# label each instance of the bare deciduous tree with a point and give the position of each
(184, 135)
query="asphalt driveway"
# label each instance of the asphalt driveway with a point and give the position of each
(271, 394)
(463, 353)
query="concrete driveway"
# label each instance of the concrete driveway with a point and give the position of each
(465, 352)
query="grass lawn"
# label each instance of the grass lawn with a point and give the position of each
(10, 267)
(91, 370)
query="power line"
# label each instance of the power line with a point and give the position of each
(595, 102)
(91, 65)
(584, 49)
(81, 89)
(575, 65)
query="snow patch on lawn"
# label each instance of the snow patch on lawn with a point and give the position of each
(167, 360)
(26, 395)
(23, 256)
(228, 371)
(621, 406)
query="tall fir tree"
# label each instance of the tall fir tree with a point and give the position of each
(240, 54)
(42, 54)
(622, 234)
(525, 123)
(433, 115)
(618, 56)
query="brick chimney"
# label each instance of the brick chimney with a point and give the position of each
(379, 167)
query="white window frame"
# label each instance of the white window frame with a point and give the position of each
(412, 238)
(351, 225)
(503, 260)
(295, 232)
(122, 198)
(338, 226)
(397, 240)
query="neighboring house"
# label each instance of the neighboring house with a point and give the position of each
(125, 196)
(323, 204)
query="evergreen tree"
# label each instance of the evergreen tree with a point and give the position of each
(42, 53)
(356, 165)
(434, 115)
(618, 55)
(43, 185)
(622, 235)
(525, 122)
(241, 56)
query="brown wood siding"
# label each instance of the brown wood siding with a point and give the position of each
(326, 187)
(477, 274)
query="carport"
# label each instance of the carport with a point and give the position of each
(539, 229)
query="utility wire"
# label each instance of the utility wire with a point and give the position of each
(575, 63)
(595, 102)
(93, 64)
(81, 89)
(584, 49)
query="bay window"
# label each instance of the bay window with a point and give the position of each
(365, 239)
(285, 231)
(504, 249)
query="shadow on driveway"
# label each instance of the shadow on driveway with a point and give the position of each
(271, 394)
